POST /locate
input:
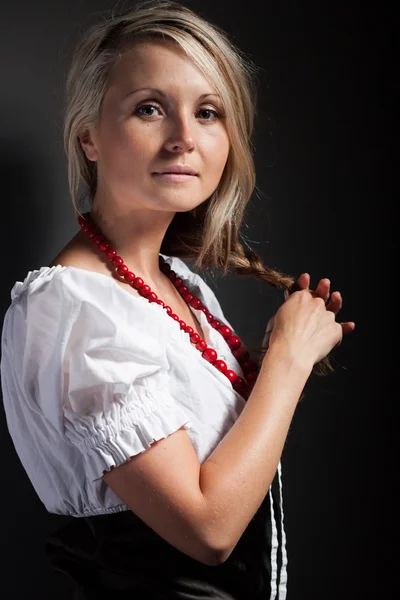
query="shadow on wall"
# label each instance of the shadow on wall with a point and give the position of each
(26, 187)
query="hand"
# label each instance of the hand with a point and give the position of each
(322, 290)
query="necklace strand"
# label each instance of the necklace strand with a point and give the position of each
(249, 367)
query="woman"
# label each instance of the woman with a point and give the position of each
(133, 406)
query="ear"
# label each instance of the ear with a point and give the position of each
(88, 145)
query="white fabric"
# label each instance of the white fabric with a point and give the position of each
(91, 375)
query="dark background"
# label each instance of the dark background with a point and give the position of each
(323, 153)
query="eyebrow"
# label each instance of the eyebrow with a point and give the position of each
(164, 95)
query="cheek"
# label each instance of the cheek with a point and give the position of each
(216, 150)
(125, 149)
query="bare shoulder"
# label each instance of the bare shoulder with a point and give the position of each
(78, 253)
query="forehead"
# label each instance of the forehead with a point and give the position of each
(157, 64)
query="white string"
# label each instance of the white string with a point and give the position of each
(274, 548)
(283, 574)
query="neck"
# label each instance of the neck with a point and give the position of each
(137, 237)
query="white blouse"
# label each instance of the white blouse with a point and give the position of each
(92, 375)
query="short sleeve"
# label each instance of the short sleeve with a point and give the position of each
(97, 364)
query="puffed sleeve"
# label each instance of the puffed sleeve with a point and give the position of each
(103, 353)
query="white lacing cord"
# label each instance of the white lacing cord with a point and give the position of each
(283, 574)
(274, 548)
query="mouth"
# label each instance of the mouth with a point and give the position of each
(175, 177)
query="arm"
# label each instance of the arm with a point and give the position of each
(237, 475)
(203, 510)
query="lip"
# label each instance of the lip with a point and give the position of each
(174, 177)
(176, 169)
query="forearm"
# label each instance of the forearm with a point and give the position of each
(237, 475)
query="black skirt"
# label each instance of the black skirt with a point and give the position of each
(118, 556)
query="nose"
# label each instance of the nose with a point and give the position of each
(180, 138)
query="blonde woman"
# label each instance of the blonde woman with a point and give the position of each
(134, 407)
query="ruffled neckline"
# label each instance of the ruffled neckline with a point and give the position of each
(211, 335)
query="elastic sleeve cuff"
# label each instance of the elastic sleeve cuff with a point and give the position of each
(110, 448)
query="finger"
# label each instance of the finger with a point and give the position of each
(335, 303)
(301, 283)
(323, 289)
(348, 327)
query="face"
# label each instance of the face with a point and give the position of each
(159, 112)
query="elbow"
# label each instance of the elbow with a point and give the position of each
(217, 554)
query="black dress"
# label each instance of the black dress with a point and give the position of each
(118, 556)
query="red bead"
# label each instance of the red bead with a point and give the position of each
(249, 365)
(195, 338)
(168, 309)
(117, 261)
(172, 276)
(152, 297)
(202, 345)
(129, 276)
(137, 283)
(178, 282)
(210, 318)
(160, 302)
(240, 385)
(203, 309)
(182, 324)
(234, 342)
(231, 375)
(111, 253)
(225, 331)
(189, 330)
(91, 233)
(81, 220)
(122, 270)
(85, 228)
(210, 355)
(145, 290)
(216, 324)
(221, 365)
(188, 298)
(174, 316)
(195, 303)
(165, 268)
(241, 355)
(98, 238)
(103, 246)
(183, 290)
(252, 376)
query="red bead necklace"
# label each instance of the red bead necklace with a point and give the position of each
(249, 367)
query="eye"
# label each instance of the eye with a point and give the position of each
(145, 110)
(209, 111)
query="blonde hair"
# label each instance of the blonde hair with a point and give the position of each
(209, 234)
